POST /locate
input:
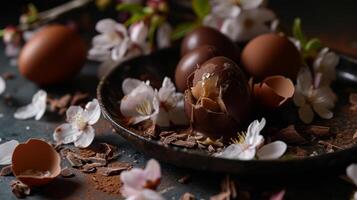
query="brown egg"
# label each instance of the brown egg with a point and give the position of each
(271, 54)
(272, 92)
(218, 100)
(53, 55)
(209, 36)
(189, 63)
(35, 162)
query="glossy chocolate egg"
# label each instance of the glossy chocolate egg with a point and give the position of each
(218, 100)
(53, 55)
(209, 36)
(271, 54)
(189, 63)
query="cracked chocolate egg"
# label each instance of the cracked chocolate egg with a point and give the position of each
(209, 36)
(218, 99)
(189, 63)
(36, 162)
(271, 54)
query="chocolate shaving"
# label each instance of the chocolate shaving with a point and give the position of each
(91, 167)
(19, 189)
(66, 173)
(6, 171)
(184, 179)
(187, 196)
(289, 135)
(74, 160)
(61, 104)
(318, 131)
(114, 170)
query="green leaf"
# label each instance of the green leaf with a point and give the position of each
(130, 7)
(134, 18)
(297, 31)
(201, 7)
(182, 29)
(313, 45)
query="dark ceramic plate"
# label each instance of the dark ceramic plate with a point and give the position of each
(162, 63)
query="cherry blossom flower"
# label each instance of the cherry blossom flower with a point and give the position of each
(172, 105)
(139, 184)
(325, 63)
(250, 144)
(240, 21)
(141, 102)
(12, 40)
(310, 96)
(36, 108)
(6, 150)
(78, 128)
(116, 42)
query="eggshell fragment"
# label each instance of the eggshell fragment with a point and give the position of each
(36, 162)
(273, 91)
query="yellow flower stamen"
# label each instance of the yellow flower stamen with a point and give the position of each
(144, 108)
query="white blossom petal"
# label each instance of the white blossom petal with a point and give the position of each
(163, 118)
(152, 170)
(93, 111)
(306, 114)
(138, 32)
(237, 151)
(253, 136)
(229, 28)
(109, 25)
(272, 150)
(351, 173)
(226, 9)
(304, 80)
(66, 133)
(177, 114)
(72, 113)
(147, 194)
(2, 85)
(322, 111)
(133, 182)
(36, 108)
(164, 36)
(213, 21)
(299, 99)
(6, 150)
(85, 138)
(119, 52)
(98, 54)
(250, 4)
(129, 84)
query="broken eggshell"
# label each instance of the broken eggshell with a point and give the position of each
(36, 162)
(219, 99)
(272, 92)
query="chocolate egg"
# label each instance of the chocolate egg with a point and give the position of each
(218, 100)
(271, 54)
(53, 55)
(189, 63)
(209, 36)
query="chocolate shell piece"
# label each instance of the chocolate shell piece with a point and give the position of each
(189, 63)
(218, 101)
(36, 162)
(209, 36)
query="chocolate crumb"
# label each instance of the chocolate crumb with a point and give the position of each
(6, 171)
(8, 75)
(187, 196)
(289, 135)
(318, 131)
(66, 173)
(91, 167)
(184, 179)
(73, 160)
(19, 189)
(114, 169)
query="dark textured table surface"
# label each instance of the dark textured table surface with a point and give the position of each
(201, 184)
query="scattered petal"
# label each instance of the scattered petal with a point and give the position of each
(2, 85)
(65, 134)
(36, 108)
(85, 138)
(6, 150)
(272, 150)
(351, 173)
